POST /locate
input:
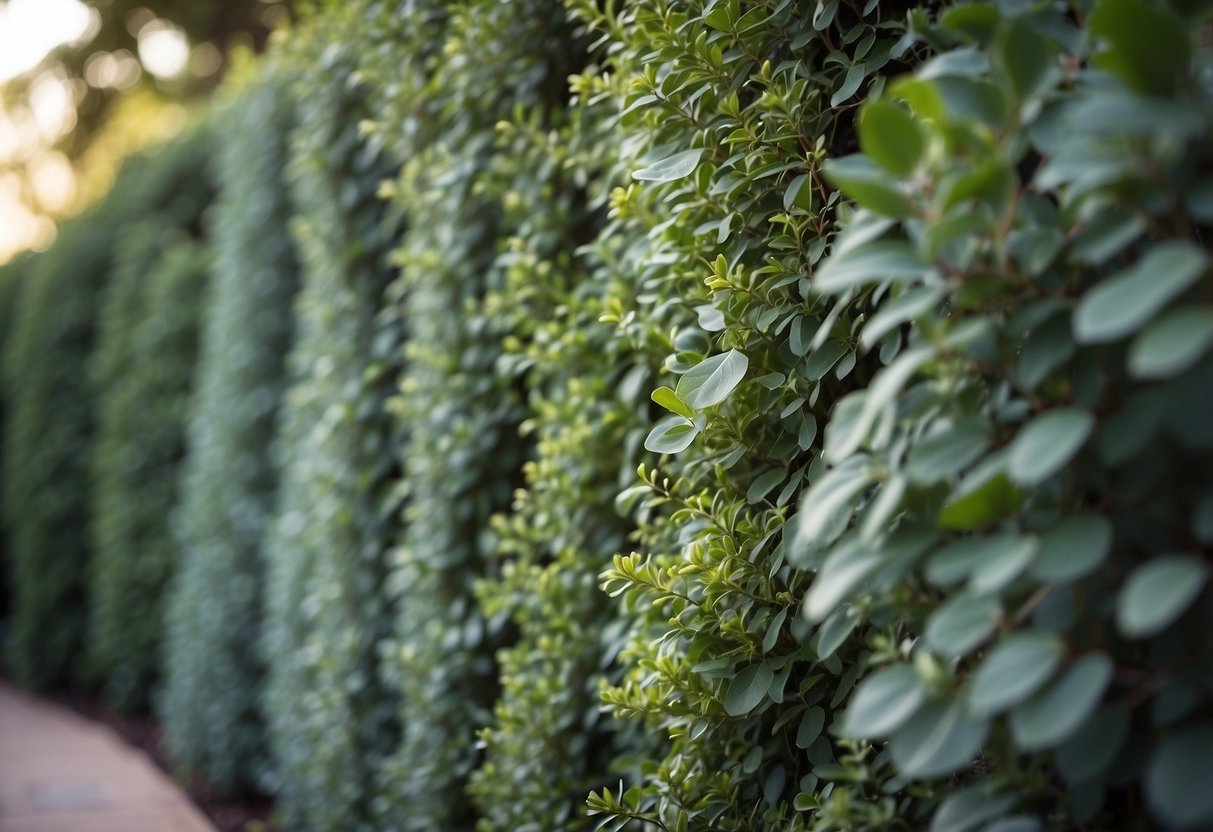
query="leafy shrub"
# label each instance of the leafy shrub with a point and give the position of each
(959, 560)
(143, 366)
(49, 435)
(11, 276)
(462, 454)
(213, 666)
(332, 719)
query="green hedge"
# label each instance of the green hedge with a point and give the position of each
(53, 420)
(332, 718)
(462, 453)
(212, 662)
(11, 280)
(902, 317)
(143, 366)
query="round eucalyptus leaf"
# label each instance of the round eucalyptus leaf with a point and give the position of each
(1056, 712)
(671, 435)
(962, 623)
(709, 382)
(1093, 747)
(883, 701)
(1047, 443)
(1013, 671)
(1124, 303)
(1073, 548)
(1015, 823)
(748, 689)
(1171, 344)
(1179, 778)
(938, 739)
(967, 809)
(1157, 593)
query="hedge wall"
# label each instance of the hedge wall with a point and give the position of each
(332, 717)
(785, 416)
(150, 308)
(212, 661)
(11, 279)
(53, 419)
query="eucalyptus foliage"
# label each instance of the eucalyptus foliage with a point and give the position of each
(212, 662)
(329, 616)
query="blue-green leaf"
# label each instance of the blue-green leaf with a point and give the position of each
(748, 689)
(1157, 593)
(1013, 671)
(671, 435)
(1047, 443)
(1057, 712)
(709, 382)
(1127, 301)
(670, 168)
(938, 739)
(883, 701)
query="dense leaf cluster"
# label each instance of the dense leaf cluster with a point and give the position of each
(151, 307)
(329, 615)
(54, 412)
(213, 664)
(751, 415)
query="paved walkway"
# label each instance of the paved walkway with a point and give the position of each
(61, 773)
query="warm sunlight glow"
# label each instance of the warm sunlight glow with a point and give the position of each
(29, 29)
(163, 49)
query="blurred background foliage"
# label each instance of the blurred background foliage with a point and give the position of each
(84, 83)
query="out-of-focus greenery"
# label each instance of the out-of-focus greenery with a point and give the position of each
(53, 417)
(212, 659)
(333, 718)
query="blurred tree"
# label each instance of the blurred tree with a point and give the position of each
(67, 121)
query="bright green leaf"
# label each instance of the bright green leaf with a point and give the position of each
(890, 137)
(668, 399)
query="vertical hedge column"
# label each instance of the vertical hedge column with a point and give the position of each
(329, 615)
(53, 420)
(463, 456)
(213, 665)
(144, 366)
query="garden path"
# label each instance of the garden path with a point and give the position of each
(61, 773)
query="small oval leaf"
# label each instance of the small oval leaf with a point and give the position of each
(710, 382)
(1157, 593)
(670, 168)
(748, 689)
